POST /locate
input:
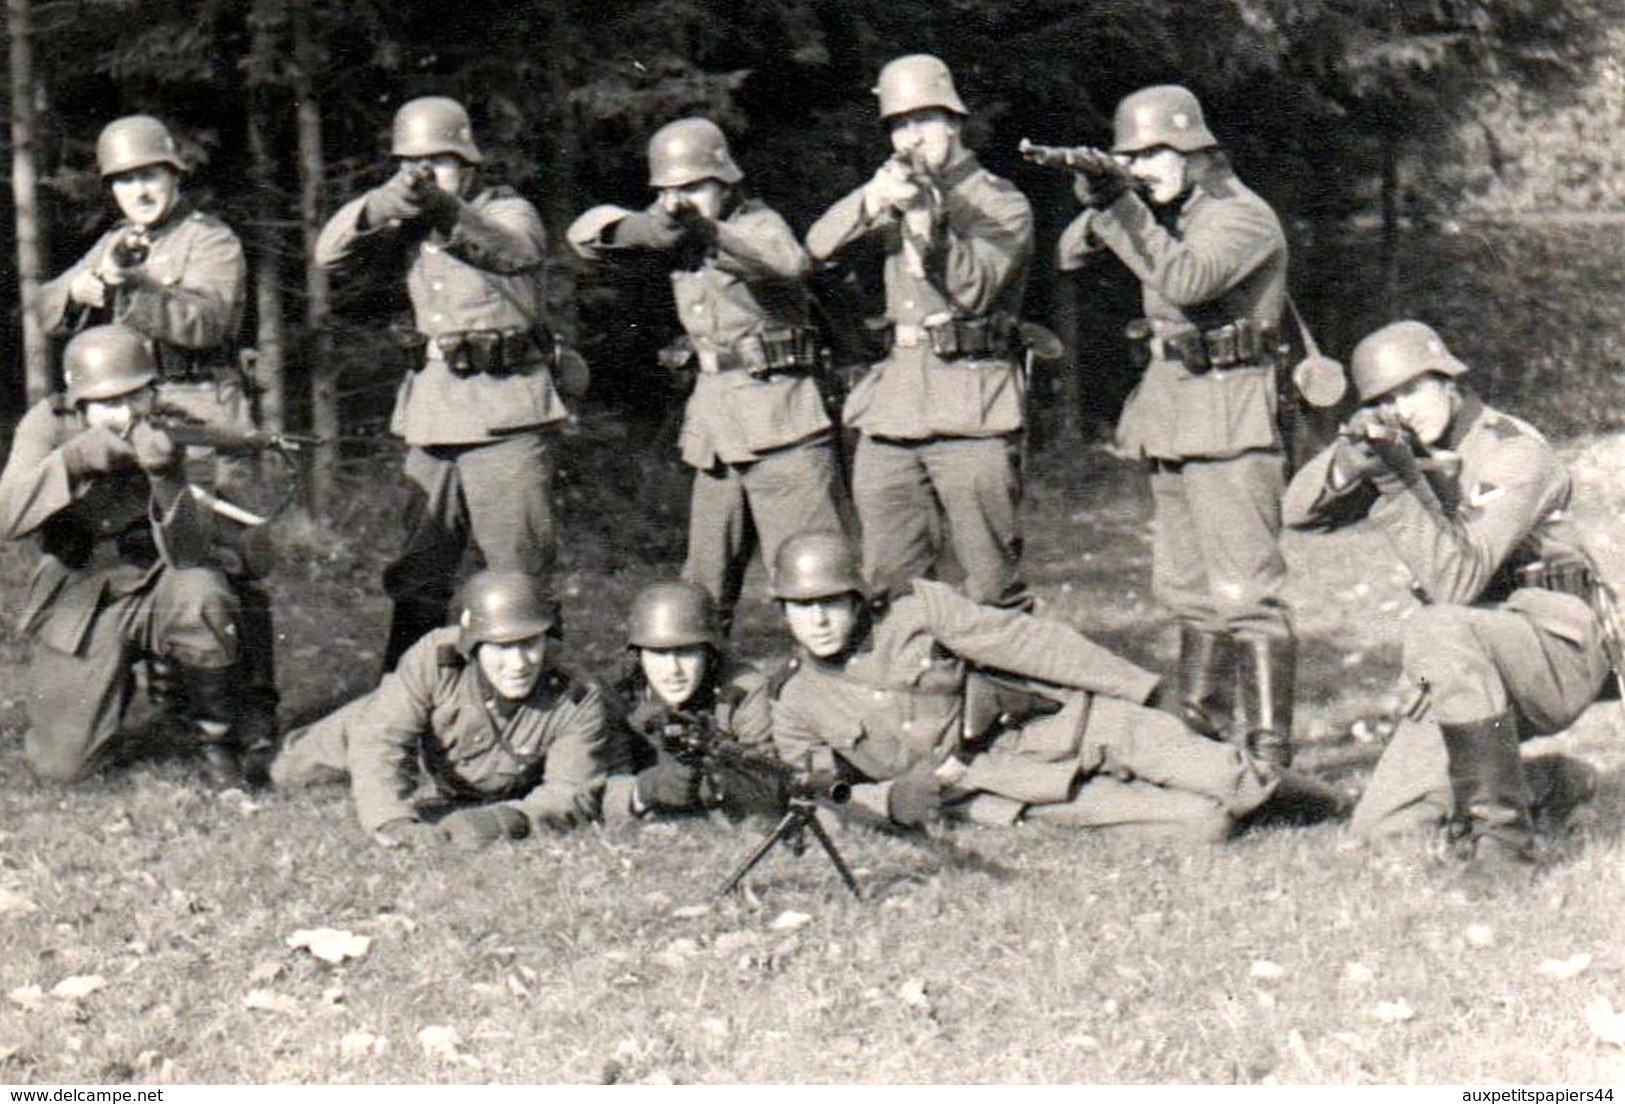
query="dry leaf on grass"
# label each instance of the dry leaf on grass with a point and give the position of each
(1265, 970)
(790, 920)
(1480, 935)
(330, 944)
(27, 996)
(440, 1042)
(1358, 973)
(13, 903)
(264, 1000)
(78, 987)
(1606, 1024)
(362, 1044)
(1565, 968)
(1393, 1012)
(912, 993)
(690, 912)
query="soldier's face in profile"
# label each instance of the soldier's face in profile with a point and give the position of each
(1162, 170)
(929, 136)
(823, 626)
(1425, 404)
(704, 196)
(120, 412)
(512, 669)
(145, 195)
(675, 674)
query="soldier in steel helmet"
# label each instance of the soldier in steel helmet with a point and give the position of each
(755, 430)
(684, 687)
(932, 705)
(1212, 261)
(177, 276)
(479, 733)
(478, 407)
(1508, 643)
(125, 569)
(941, 416)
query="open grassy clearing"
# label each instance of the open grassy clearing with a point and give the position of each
(1021, 955)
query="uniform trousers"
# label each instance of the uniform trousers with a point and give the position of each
(1216, 557)
(75, 701)
(1476, 663)
(734, 508)
(908, 492)
(500, 494)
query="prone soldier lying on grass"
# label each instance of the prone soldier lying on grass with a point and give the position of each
(478, 719)
(930, 705)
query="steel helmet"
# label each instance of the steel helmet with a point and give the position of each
(816, 565)
(135, 141)
(688, 151)
(503, 607)
(434, 124)
(672, 615)
(915, 82)
(104, 362)
(1391, 357)
(1162, 115)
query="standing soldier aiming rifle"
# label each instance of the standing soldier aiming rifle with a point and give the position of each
(941, 416)
(177, 277)
(475, 409)
(1212, 261)
(755, 430)
(124, 572)
(1510, 640)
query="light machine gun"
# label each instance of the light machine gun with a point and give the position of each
(693, 739)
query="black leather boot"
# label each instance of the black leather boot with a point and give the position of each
(1266, 673)
(257, 733)
(1490, 822)
(1207, 663)
(212, 698)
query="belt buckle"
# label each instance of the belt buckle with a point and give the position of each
(908, 337)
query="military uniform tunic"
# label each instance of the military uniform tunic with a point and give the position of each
(760, 445)
(938, 430)
(479, 463)
(895, 703)
(1211, 437)
(430, 734)
(1481, 643)
(118, 575)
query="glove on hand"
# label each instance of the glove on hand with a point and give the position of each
(483, 825)
(97, 450)
(915, 798)
(410, 833)
(669, 784)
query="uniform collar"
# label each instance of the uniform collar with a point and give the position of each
(178, 213)
(1468, 414)
(960, 171)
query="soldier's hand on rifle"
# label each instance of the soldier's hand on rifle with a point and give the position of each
(669, 784)
(396, 200)
(411, 833)
(483, 825)
(891, 189)
(97, 450)
(441, 209)
(88, 288)
(155, 451)
(915, 798)
(1102, 183)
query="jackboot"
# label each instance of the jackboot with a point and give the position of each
(1490, 822)
(1266, 673)
(1207, 663)
(211, 693)
(410, 621)
(257, 734)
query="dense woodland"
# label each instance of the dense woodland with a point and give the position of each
(1395, 110)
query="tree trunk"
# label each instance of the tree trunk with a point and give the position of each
(324, 405)
(1390, 220)
(560, 151)
(25, 194)
(1069, 389)
(271, 330)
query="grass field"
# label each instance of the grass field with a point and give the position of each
(145, 924)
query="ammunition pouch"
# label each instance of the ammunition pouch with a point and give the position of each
(786, 350)
(1240, 344)
(492, 352)
(958, 338)
(1574, 577)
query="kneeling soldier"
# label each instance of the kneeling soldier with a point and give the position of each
(481, 712)
(685, 690)
(932, 704)
(1507, 643)
(124, 572)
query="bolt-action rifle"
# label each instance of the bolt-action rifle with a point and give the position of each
(1096, 164)
(694, 739)
(189, 432)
